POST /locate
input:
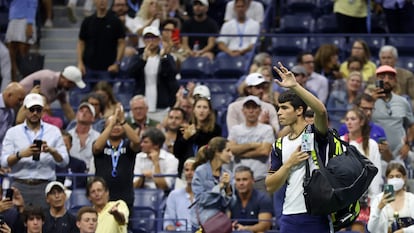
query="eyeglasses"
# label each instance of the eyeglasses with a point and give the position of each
(388, 106)
(391, 76)
(36, 109)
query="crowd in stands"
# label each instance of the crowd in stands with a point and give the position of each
(132, 117)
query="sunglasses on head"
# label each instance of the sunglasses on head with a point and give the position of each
(36, 109)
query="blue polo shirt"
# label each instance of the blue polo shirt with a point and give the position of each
(377, 132)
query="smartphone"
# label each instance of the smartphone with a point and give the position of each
(9, 194)
(175, 37)
(379, 84)
(36, 82)
(389, 189)
(38, 145)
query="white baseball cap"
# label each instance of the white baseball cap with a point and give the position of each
(73, 74)
(53, 184)
(33, 99)
(252, 98)
(89, 106)
(255, 79)
(151, 30)
(204, 2)
(202, 91)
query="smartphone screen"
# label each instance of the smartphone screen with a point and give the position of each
(9, 194)
(176, 35)
(389, 189)
(380, 84)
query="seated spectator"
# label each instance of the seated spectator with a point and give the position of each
(259, 60)
(175, 118)
(87, 219)
(112, 215)
(177, 217)
(255, 10)
(138, 118)
(48, 115)
(104, 89)
(361, 50)
(57, 218)
(200, 23)
(240, 25)
(252, 210)
(153, 161)
(33, 219)
(326, 62)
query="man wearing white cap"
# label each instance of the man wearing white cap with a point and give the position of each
(255, 86)
(58, 219)
(393, 112)
(32, 150)
(155, 75)
(55, 85)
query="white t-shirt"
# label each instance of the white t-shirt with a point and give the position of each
(255, 11)
(151, 74)
(233, 27)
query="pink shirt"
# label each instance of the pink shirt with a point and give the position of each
(48, 83)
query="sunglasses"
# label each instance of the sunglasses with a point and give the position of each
(36, 109)
(150, 37)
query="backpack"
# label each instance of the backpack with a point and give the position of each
(335, 189)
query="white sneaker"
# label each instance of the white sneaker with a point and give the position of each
(48, 23)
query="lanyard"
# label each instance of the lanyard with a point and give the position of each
(26, 129)
(135, 6)
(240, 31)
(115, 156)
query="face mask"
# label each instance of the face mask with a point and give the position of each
(398, 183)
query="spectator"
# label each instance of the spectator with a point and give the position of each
(316, 83)
(384, 205)
(87, 9)
(175, 10)
(48, 115)
(154, 74)
(211, 184)
(114, 154)
(57, 218)
(83, 135)
(251, 141)
(87, 219)
(361, 50)
(326, 62)
(175, 118)
(341, 99)
(255, 10)
(256, 85)
(289, 166)
(176, 217)
(104, 89)
(138, 118)
(354, 64)
(100, 50)
(170, 40)
(21, 32)
(198, 132)
(259, 60)
(34, 218)
(394, 113)
(358, 136)
(10, 99)
(55, 86)
(33, 164)
(153, 162)
(5, 67)
(398, 15)
(12, 210)
(241, 25)
(351, 16)
(252, 211)
(112, 215)
(200, 23)
(388, 55)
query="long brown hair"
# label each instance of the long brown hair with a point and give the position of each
(210, 122)
(207, 152)
(365, 129)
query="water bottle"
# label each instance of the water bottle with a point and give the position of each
(196, 46)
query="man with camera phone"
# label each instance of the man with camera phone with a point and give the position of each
(32, 150)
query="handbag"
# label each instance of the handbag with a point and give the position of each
(217, 223)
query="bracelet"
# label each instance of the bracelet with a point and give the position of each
(123, 123)
(18, 155)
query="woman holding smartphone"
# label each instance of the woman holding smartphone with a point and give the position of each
(386, 204)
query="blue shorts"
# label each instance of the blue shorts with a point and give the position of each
(304, 223)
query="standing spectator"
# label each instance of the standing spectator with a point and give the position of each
(198, 132)
(360, 49)
(289, 167)
(138, 118)
(112, 215)
(153, 161)
(57, 218)
(316, 83)
(398, 15)
(212, 184)
(241, 25)
(83, 135)
(10, 99)
(55, 86)
(176, 217)
(252, 211)
(32, 150)
(87, 219)
(175, 118)
(255, 10)
(388, 55)
(114, 154)
(101, 43)
(21, 32)
(351, 16)
(200, 23)
(393, 112)
(155, 75)
(251, 141)
(170, 40)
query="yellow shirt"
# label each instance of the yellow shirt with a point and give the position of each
(368, 70)
(107, 222)
(351, 8)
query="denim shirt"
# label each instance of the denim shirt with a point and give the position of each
(210, 199)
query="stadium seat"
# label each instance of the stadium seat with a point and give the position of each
(288, 46)
(147, 210)
(316, 41)
(300, 6)
(229, 67)
(406, 63)
(222, 85)
(75, 98)
(326, 24)
(404, 44)
(78, 199)
(297, 23)
(324, 6)
(288, 61)
(195, 68)
(220, 100)
(126, 86)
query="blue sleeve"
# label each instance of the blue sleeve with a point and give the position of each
(275, 161)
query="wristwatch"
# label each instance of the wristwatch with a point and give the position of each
(18, 155)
